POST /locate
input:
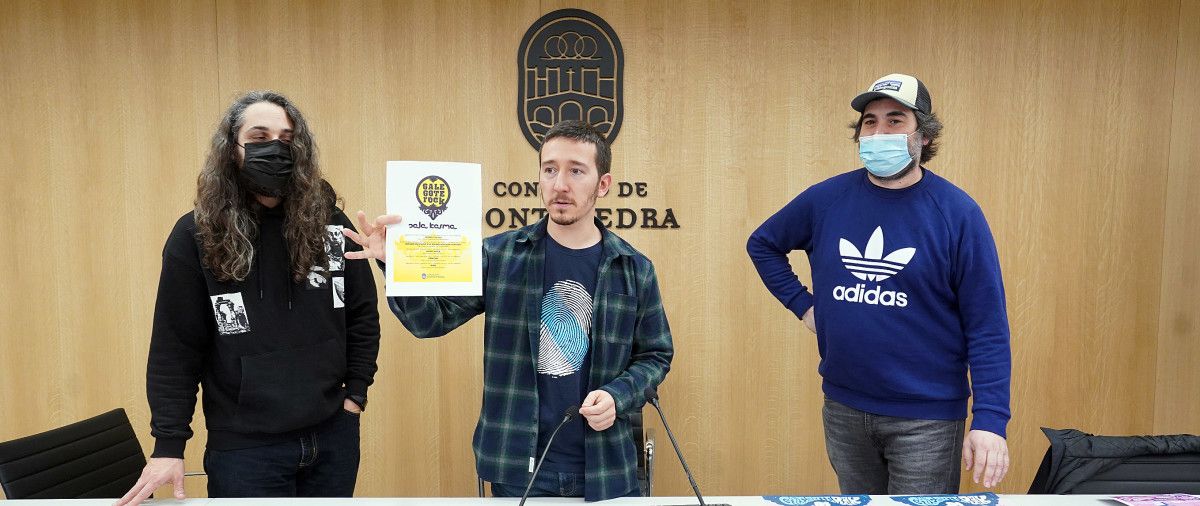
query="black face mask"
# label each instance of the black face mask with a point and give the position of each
(267, 169)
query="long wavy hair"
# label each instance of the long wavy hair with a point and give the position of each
(227, 214)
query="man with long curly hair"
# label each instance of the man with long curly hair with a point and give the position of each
(256, 303)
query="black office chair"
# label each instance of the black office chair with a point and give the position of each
(96, 458)
(644, 440)
(1080, 463)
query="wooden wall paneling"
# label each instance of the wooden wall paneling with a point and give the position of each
(1175, 408)
(1054, 124)
(106, 111)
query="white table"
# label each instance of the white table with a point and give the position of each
(1005, 500)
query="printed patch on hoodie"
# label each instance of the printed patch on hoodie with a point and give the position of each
(318, 279)
(230, 313)
(339, 292)
(335, 247)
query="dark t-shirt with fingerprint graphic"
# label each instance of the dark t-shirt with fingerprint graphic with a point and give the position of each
(564, 351)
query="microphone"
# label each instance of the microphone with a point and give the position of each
(568, 415)
(652, 398)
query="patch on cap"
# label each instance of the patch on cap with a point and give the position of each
(886, 86)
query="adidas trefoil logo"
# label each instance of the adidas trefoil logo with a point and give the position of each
(870, 264)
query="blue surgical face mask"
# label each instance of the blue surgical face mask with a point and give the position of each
(884, 155)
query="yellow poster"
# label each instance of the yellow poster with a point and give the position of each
(432, 258)
(438, 248)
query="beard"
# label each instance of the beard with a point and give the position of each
(914, 151)
(588, 204)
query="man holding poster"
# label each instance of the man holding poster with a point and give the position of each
(573, 318)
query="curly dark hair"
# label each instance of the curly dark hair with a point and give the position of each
(226, 213)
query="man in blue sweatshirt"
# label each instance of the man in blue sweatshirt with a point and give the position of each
(906, 298)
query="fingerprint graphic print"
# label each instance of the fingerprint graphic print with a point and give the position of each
(566, 323)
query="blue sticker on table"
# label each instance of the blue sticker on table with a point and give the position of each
(819, 500)
(982, 499)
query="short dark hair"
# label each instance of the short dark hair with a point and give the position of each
(928, 125)
(582, 131)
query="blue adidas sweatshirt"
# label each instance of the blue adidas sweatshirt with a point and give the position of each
(906, 292)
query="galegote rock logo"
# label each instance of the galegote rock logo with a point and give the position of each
(433, 193)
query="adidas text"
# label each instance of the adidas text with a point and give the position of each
(877, 297)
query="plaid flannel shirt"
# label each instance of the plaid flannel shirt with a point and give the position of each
(631, 350)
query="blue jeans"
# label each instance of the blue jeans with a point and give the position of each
(876, 454)
(549, 484)
(322, 462)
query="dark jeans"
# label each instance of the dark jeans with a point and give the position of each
(322, 462)
(875, 454)
(549, 484)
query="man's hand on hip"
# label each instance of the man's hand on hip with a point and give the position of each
(810, 320)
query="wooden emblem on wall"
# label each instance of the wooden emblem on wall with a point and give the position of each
(570, 66)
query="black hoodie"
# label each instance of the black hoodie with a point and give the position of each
(274, 356)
